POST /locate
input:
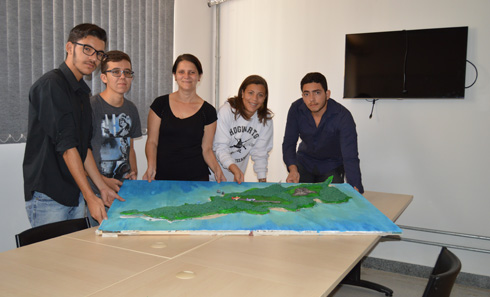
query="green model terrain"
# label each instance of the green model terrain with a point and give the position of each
(253, 201)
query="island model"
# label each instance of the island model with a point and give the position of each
(228, 208)
(253, 201)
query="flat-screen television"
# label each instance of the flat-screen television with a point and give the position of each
(428, 63)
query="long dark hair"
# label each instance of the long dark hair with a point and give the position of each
(263, 113)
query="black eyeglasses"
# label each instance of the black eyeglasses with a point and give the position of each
(90, 51)
(116, 72)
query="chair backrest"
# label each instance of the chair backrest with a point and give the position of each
(51, 230)
(443, 275)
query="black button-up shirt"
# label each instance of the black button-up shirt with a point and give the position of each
(60, 118)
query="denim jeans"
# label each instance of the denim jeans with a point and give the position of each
(41, 210)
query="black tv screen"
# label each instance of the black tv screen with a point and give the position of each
(429, 63)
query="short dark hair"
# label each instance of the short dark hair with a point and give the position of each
(113, 56)
(314, 77)
(236, 102)
(83, 30)
(190, 58)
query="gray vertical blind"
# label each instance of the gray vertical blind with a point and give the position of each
(34, 34)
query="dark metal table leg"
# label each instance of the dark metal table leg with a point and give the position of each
(354, 279)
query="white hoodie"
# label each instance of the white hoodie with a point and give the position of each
(236, 140)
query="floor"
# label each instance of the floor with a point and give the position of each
(402, 286)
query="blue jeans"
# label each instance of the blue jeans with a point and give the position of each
(43, 210)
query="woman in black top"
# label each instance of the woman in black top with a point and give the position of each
(181, 130)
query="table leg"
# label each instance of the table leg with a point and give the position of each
(354, 279)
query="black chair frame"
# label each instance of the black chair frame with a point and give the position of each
(444, 275)
(51, 230)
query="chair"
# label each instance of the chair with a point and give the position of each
(440, 283)
(51, 230)
(443, 276)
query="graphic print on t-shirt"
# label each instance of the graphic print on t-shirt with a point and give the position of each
(239, 145)
(245, 134)
(114, 151)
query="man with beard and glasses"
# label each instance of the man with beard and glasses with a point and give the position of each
(58, 154)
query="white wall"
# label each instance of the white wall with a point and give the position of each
(193, 34)
(436, 150)
(13, 217)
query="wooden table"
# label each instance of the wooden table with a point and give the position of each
(83, 264)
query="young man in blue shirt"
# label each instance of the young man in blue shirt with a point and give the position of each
(328, 137)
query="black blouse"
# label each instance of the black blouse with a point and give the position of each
(179, 153)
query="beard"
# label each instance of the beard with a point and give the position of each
(81, 70)
(318, 108)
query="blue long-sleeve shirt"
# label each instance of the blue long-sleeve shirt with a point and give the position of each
(332, 144)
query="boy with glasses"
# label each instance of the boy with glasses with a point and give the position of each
(115, 122)
(58, 153)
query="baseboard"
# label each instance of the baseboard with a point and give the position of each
(466, 279)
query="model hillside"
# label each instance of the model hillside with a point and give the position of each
(253, 201)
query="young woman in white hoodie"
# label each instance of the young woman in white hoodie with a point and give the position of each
(245, 129)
